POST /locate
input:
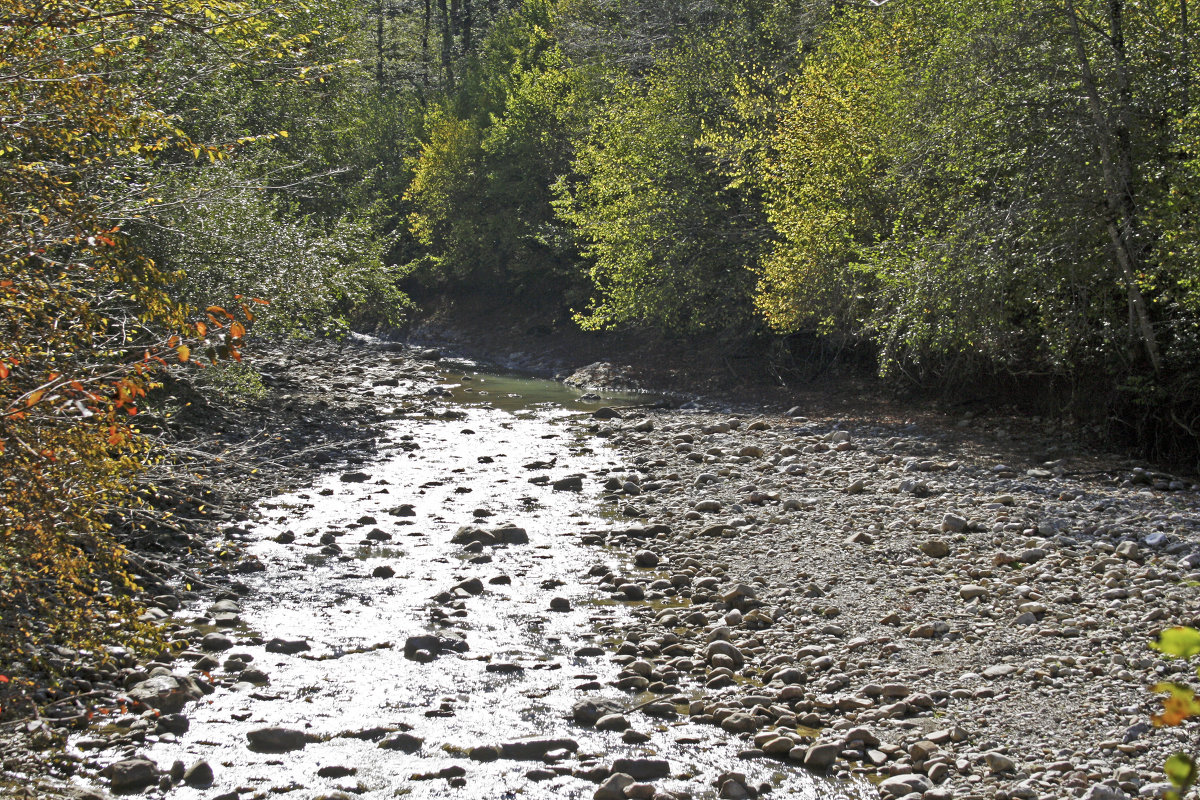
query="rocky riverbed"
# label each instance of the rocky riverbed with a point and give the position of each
(496, 593)
(898, 602)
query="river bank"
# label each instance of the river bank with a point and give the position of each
(980, 626)
(869, 598)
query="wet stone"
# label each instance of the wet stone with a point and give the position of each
(612, 722)
(167, 693)
(216, 642)
(588, 712)
(535, 748)
(287, 646)
(485, 753)
(131, 774)
(643, 768)
(276, 740)
(199, 774)
(614, 787)
(573, 483)
(632, 591)
(402, 742)
(646, 558)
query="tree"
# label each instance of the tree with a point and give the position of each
(670, 238)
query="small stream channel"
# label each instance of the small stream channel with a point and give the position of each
(526, 666)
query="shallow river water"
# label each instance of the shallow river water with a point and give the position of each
(526, 665)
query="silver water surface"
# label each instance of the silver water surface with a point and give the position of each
(356, 676)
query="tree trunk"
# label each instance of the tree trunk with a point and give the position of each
(1116, 160)
(468, 19)
(447, 45)
(382, 10)
(426, 67)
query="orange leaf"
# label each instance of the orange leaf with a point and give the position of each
(3, 371)
(173, 341)
(260, 301)
(219, 310)
(201, 329)
(237, 330)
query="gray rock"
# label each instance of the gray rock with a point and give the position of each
(935, 548)
(216, 642)
(953, 523)
(485, 753)
(469, 534)
(434, 645)
(510, 534)
(724, 648)
(287, 646)
(572, 483)
(612, 722)
(176, 724)
(614, 787)
(739, 722)
(643, 769)
(901, 785)
(131, 774)
(970, 591)
(821, 755)
(534, 748)
(998, 762)
(168, 693)
(402, 742)
(1101, 791)
(646, 558)
(199, 774)
(588, 712)
(276, 740)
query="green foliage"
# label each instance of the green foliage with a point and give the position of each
(670, 238)
(1180, 704)
(87, 321)
(1178, 642)
(230, 240)
(480, 193)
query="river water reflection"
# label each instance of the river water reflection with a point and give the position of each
(474, 448)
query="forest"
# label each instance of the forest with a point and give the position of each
(955, 193)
